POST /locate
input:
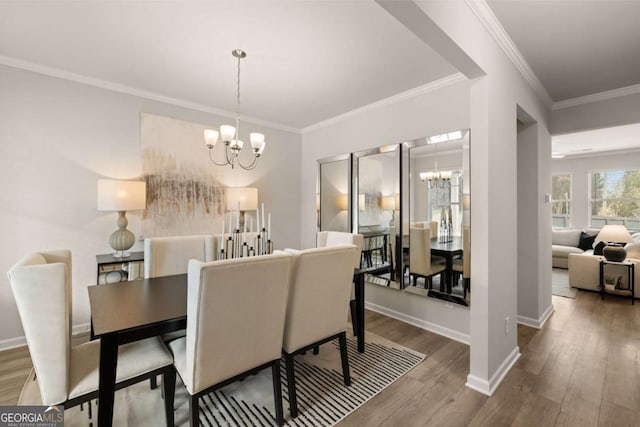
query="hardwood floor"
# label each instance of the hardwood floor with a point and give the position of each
(581, 369)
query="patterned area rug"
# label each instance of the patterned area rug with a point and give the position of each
(323, 400)
(560, 284)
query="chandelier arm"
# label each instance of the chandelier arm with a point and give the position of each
(251, 165)
(214, 162)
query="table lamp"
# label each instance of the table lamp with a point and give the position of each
(613, 235)
(121, 196)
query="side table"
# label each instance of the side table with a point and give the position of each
(110, 269)
(630, 277)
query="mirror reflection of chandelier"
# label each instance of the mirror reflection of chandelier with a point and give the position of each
(440, 179)
(231, 135)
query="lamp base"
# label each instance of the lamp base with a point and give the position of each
(122, 239)
(614, 253)
(121, 254)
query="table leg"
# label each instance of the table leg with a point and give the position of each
(447, 272)
(359, 284)
(107, 382)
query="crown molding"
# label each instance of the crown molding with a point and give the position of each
(599, 96)
(394, 99)
(485, 15)
(600, 153)
(116, 87)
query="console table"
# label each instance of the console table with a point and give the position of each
(630, 277)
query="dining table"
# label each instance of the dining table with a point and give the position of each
(132, 311)
(448, 250)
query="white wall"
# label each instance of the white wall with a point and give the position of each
(579, 168)
(58, 137)
(433, 113)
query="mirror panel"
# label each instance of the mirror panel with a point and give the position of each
(436, 237)
(334, 192)
(377, 197)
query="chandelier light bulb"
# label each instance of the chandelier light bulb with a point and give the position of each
(211, 137)
(228, 132)
(257, 139)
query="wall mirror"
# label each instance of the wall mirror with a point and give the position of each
(376, 213)
(436, 238)
(334, 193)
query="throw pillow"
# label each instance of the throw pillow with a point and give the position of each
(633, 250)
(597, 249)
(586, 241)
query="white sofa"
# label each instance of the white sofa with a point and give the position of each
(565, 242)
(584, 268)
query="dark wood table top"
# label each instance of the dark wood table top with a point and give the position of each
(125, 305)
(454, 245)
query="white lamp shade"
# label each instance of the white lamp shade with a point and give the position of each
(361, 202)
(211, 136)
(242, 198)
(445, 174)
(614, 234)
(423, 176)
(389, 203)
(261, 149)
(227, 132)
(257, 140)
(342, 202)
(115, 195)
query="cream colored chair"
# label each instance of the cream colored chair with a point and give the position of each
(420, 262)
(235, 323)
(67, 375)
(334, 238)
(318, 303)
(168, 256)
(464, 266)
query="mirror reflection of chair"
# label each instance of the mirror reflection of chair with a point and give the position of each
(317, 307)
(235, 323)
(420, 262)
(463, 266)
(68, 375)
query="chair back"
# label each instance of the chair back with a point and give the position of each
(466, 252)
(235, 317)
(420, 251)
(41, 285)
(319, 294)
(433, 227)
(167, 256)
(334, 238)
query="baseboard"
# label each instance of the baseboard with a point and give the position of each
(536, 323)
(489, 387)
(420, 323)
(22, 341)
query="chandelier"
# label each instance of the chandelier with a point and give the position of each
(440, 179)
(230, 135)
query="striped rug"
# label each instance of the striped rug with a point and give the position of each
(323, 400)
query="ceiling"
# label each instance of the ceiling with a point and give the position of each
(597, 141)
(306, 61)
(575, 48)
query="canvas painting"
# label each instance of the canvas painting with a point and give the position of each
(185, 194)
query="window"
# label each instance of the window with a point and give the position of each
(615, 198)
(561, 200)
(447, 201)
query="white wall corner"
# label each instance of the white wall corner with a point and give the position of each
(599, 96)
(485, 15)
(488, 387)
(536, 323)
(22, 341)
(420, 323)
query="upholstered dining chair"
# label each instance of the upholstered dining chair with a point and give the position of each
(235, 322)
(420, 260)
(41, 285)
(334, 238)
(167, 256)
(463, 266)
(318, 303)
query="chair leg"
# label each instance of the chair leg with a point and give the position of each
(291, 383)
(194, 411)
(277, 392)
(169, 389)
(316, 349)
(153, 383)
(354, 317)
(344, 358)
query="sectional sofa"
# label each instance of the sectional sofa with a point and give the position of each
(565, 242)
